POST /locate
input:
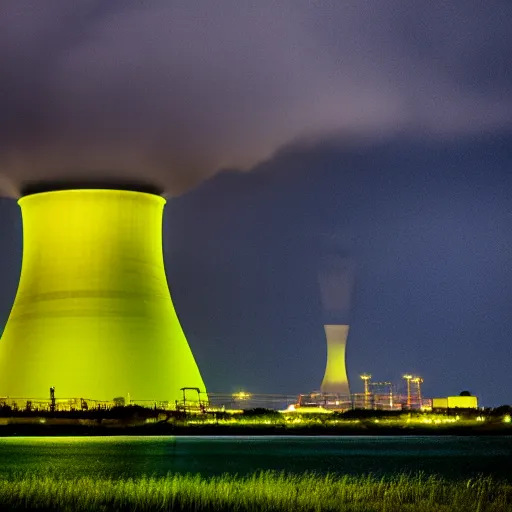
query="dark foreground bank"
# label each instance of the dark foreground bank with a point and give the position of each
(109, 428)
(261, 492)
(141, 421)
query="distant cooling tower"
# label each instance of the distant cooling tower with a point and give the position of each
(335, 378)
(336, 281)
(93, 315)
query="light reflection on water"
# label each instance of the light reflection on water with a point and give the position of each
(450, 456)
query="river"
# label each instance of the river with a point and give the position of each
(449, 456)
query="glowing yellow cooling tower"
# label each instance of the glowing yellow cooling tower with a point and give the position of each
(335, 378)
(93, 315)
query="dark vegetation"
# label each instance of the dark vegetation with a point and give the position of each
(139, 420)
(138, 412)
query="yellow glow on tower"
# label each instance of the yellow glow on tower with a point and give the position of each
(93, 315)
(335, 378)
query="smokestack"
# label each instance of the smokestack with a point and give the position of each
(93, 315)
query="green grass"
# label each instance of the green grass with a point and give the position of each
(263, 492)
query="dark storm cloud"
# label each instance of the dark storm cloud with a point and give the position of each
(427, 227)
(172, 92)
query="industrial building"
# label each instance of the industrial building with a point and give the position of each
(383, 396)
(455, 402)
(93, 317)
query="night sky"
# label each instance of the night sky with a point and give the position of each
(291, 136)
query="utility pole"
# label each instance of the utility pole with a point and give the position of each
(52, 399)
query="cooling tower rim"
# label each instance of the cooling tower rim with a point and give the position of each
(85, 191)
(82, 192)
(30, 189)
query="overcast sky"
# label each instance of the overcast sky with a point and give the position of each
(294, 133)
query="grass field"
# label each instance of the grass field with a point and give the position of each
(262, 492)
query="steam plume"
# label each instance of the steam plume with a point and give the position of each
(168, 93)
(336, 282)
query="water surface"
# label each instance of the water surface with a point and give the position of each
(449, 456)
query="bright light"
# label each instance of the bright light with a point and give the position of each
(242, 395)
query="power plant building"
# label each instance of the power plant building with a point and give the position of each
(455, 402)
(93, 315)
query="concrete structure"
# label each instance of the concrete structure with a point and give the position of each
(335, 378)
(454, 402)
(93, 316)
